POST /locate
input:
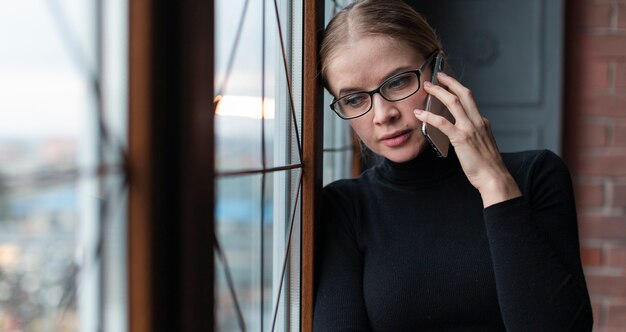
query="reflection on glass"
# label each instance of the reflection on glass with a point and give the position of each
(252, 78)
(238, 131)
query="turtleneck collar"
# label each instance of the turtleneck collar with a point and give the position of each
(426, 168)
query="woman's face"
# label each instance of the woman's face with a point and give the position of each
(389, 129)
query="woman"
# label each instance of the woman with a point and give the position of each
(477, 241)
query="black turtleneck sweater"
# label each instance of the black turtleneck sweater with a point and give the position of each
(409, 247)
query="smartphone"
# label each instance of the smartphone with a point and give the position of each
(437, 139)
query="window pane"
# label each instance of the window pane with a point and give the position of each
(37, 284)
(252, 90)
(241, 236)
(115, 109)
(54, 238)
(338, 144)
(254, 250)
(240, 110)
(45, 103)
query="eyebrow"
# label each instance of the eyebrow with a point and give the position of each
(349, 90)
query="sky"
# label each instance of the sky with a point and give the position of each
(47, 58)
(46, 62)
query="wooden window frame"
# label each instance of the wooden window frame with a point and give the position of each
(313, 125)
(171, 164)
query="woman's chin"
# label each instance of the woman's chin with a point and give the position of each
(404, 155)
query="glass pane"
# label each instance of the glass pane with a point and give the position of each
(291, 285)
(114, 255)
(239, 230)
(337, 132)
(256, 252)
(337, 146)
(238, 215)
(37, 284)
(44, 94)
(237, 121)
(115, 96)
(53, 239)
(254, 88)
(45, 104)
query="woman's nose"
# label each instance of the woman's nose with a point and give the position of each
(384, 110)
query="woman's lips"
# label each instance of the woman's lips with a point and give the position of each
(396, 140)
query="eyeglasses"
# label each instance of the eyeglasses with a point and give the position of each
(395, 88)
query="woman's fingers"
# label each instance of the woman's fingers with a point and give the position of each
(464, 95)
(436, 121)
(451, 101)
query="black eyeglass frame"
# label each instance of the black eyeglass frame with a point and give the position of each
(371, 93)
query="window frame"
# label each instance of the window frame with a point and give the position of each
(313, 125)
(171, 151)
(169, 166)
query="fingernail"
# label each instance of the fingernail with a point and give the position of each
(442, 74)
(417, 111)
(428, 84)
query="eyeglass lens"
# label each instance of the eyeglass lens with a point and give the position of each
(395, 88)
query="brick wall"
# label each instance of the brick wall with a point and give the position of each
(595, 148)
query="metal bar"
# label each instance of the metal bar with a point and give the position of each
(264, 165)
(257, 171)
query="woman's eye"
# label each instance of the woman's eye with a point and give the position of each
(354, 101)
(399, 82)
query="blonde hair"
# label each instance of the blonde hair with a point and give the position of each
(392, 18)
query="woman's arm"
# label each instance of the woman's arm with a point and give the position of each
(339, 303)
(472, 139)
(535, 252)
(533, 238)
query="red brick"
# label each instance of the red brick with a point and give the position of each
(604, 104)
(616, 257)
(621, 15)
(610, 45)
(619, 195)
(606, 329)
(589, 195)
(601, 165)
(591, 256)
(620, 72)
(606, 285)
(619, 134)
(591, 135)
(597, 15)
(602, 227)
(596, 74)
(584, 46)
(597, 308)
(616, 315)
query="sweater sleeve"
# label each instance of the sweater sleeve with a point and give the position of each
(535, 251)
(339, 303)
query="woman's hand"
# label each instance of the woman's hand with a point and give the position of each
(473, 141)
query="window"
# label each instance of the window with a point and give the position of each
(258, 161)
(62, 139)
(339, 147)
